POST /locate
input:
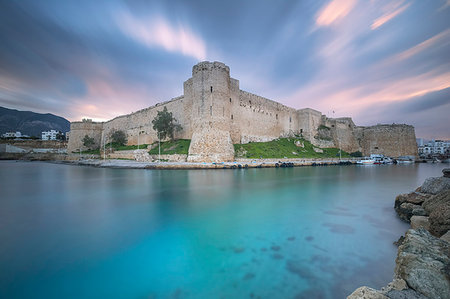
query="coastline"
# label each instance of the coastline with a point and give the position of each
(423, 259)
(240, 164)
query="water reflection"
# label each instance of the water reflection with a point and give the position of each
(296, 232)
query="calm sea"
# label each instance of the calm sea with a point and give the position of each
(307, 232)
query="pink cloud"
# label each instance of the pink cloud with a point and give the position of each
(159, 33)
(334, 11)
(353, 101)
(389, 16)
(443, 36)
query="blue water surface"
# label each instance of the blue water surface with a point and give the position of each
(308, 232)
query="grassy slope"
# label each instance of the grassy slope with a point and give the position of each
(180, 146)
(283, 147)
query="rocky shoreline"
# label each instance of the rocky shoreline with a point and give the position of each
(423, 259)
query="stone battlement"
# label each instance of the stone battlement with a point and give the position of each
(209, 66)
(215, 114)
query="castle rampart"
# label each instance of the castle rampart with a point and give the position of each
(215, 114)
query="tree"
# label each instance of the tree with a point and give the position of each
(119, 137)
(60, 136)
(88, 141)
(165, 124)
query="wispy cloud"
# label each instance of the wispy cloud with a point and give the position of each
(334, 11)
(443, 36)
(389, 15)
(446, 5)
(159, 33)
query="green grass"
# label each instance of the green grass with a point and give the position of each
(283, 147)
(89, 152)
(118, 147)
(180, 146)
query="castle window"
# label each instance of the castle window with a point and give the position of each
(301, 131)
(250, 102)
(276, 116)
(332, 126)
(376, 147)
(231, 116)
(290, 119)
(211, 88)
(210, 110)
(230, 100)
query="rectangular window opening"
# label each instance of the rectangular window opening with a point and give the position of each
(210, 110)
(211, 88)
(231, 116)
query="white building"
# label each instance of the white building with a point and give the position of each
(13, 135)
(435, 147)
(49, 135)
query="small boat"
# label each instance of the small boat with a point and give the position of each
(404, 161)
(387, 160)
(366, 161)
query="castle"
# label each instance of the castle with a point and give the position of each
(215, 114)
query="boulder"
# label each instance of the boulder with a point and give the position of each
(420, 221)
(423, 262)
(438, 209)
(446, 172)
(318, 150)
(366, 293)
(446, 236)
(405, 294)
(435, 185)
(298, 143)
(416, 198)
(405, 210)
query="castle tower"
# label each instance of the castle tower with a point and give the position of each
(209, 92)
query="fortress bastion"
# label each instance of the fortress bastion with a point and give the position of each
(215, 114)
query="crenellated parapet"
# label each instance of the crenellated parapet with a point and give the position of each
(215, 114)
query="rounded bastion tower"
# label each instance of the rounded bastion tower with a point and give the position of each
(209, 92)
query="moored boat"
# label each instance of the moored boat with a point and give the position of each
(366, 161)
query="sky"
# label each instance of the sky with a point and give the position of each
(377, 61)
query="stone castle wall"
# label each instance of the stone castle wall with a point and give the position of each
(391, 140)
(274, 119)
(80, 129)
(215, 114)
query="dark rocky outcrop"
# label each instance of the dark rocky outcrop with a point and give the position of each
(446, 172)
(407, 205)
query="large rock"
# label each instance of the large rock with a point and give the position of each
(366, 293)
(446, 172)
(406, 210)
(435, 185)
(405, 294)
(416, 198)
(438, 208)
(446, 236)
(407, 205)
(423, 262)
(420, 222)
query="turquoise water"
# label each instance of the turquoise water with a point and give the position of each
(308, 232)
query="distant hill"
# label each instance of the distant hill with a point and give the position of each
(31, 123)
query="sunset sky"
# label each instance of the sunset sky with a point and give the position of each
(376, 61)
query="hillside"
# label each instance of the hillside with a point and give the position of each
(31, 123)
